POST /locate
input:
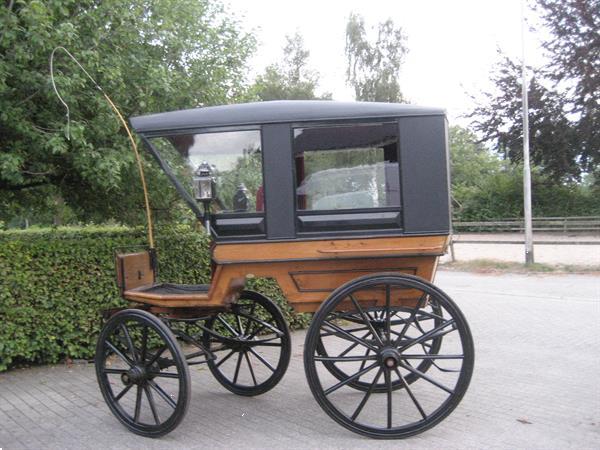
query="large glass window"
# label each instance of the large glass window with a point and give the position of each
(347, 167)
(235, 158)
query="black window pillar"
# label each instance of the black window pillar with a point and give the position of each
(279, 181)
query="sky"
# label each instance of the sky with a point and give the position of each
(452, 44)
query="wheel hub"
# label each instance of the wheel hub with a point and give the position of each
(136, 375)
(389, 358)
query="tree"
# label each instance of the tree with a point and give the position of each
(373, 67)
(574, 51)
(563, 96)
(291, 80)
(554, 143)
(149, 56)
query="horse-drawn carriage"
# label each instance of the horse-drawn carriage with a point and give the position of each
(346, 206)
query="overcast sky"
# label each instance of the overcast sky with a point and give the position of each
(452, 44)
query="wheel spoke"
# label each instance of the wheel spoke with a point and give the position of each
(410, 393)
(152, 404)
(426, 377)
(138, 404)
(436, 332)
(227, 325)
(353, 330)
(366, 396)
(250, 367)
(255, 332)
(346, 358)
(129, 342)
(350, 336)
(225, 358)
(237, 367)
(388, 382)
(165, 375)
(114, 371)
(157, 355)
(144, 343)
(362, 364)
(275, 330)
(117, 352)
(239, 324)
(262, 360)
(160, 391)
(433, 356)
(366, 319)
(123, 392)
(353, 346)
(349, 379)
(411, 319)
(249, 323)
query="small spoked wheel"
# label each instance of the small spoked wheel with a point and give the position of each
(142, 373)
(251, 343)
(388, 355)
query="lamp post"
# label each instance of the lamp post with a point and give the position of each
(204, 190)
(526, 168)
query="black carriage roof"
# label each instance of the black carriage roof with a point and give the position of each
(281, 111)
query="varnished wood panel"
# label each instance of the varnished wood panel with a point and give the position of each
(326, 249)
(133, 270)
(308, 271)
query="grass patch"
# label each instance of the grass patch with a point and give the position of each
(496, 266)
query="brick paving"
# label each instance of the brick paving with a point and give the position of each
(536, 385)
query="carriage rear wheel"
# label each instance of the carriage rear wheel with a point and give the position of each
(376, 316)
(403, 396)
(251, 343)
(142, 373)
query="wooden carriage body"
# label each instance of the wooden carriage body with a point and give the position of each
(310, 237)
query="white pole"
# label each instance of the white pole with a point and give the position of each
(526, 167)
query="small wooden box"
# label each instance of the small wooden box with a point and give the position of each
(134, 270)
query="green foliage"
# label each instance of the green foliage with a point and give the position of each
(148, 55)
(486, 188)
(55, 282)
(292, 79)
(373, 67)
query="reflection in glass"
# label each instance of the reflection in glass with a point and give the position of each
(347, 167)
(235, 158)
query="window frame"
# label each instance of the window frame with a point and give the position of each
(378, 227)
(260, 232)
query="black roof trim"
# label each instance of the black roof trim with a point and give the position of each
(281, 111)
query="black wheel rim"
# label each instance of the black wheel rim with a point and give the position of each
(388, 385)
(251, 343)
(142, 373)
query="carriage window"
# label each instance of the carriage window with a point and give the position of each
(235, 158)
(347, 167)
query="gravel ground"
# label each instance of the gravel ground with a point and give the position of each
(572, 254)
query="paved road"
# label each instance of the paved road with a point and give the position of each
(536, 385)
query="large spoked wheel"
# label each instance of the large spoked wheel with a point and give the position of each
(416, 324)
(251, 343)
(142, 373)
(377, 318)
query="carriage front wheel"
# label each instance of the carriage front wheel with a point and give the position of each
(251, 343)
(142, 373)
(403, 341)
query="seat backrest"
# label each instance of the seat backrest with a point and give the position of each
(134, 270)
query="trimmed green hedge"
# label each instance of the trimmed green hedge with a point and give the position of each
(55, 282)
